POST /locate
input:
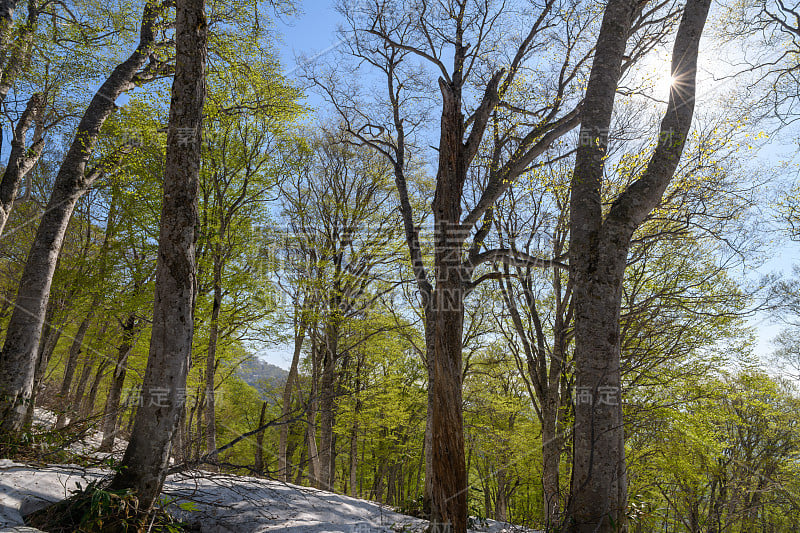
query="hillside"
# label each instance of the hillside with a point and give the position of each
(258, 373)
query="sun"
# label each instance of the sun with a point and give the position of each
(662, 86)
(654, 75)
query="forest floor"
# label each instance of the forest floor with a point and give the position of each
(216, 503)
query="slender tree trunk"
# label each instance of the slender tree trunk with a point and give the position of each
(78, 398)
(111, 409)
(87, 405)
(551, 458)
(354, 457)
(427, 443)
(179, 442)
(552, 434)
(327, 400)
(311, 432)
(18, 357)
(354, 428)
(284, 469)
(63, 397)
(80, 389)
(201, 403)
(211, 361)
(258, 465)
(301, 462)
(21, 160)
(189, 422)
(291, 447)
(144, 466)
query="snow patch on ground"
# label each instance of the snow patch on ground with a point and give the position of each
(211, 502)
(219, 503)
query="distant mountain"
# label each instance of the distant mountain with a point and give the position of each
(258, 373)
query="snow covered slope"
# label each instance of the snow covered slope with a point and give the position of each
(219, 503)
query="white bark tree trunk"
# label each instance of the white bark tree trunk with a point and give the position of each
(144, 466)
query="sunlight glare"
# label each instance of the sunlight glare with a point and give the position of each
(662, 86)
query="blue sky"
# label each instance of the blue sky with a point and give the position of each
(313, 33)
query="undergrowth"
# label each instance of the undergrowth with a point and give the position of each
(96, 509)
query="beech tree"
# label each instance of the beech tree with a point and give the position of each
(598, 253)
(144, 466)
(484, 75)
(245, 155)
(18, 357)
(339, 209)
(388, 37)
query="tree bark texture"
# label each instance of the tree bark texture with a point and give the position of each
(449, 479)
(144, 466)
(598, 255)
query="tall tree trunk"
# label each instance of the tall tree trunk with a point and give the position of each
(552, 429)
(311, 431)
(354, 428)
(189, 423)
(327, 404)
(111, 409)
(284, 469)
(598, 492)
(598, 255)
(18, 357)
(144, 466)
(427, 442)
(211, 360)
(449, 480)
(354, 457)
(552, 444)
(201, 403)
